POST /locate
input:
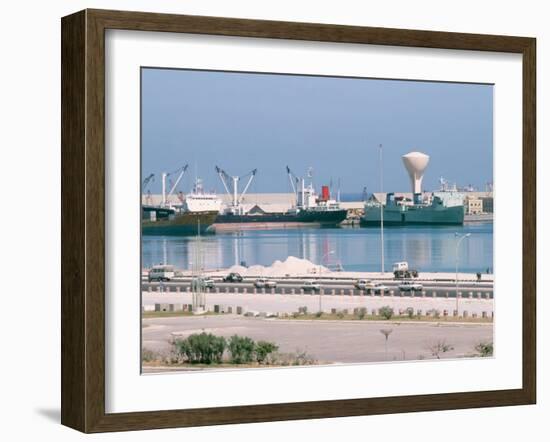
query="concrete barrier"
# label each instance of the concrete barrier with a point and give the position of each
(178, 289)
(149, 289)
(217, 290)
(272, 290)
(301, 291)
(341, 292)
(188, 289)
(333, 291)
(292, 291)
(470, 295)
(178, 307)
(245, 290)
(423, 293)
(226, 290)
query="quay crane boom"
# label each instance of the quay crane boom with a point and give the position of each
(231, 185)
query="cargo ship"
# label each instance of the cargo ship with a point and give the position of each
(193, 214)
(398, 211)
(439, 208)
(310, 208)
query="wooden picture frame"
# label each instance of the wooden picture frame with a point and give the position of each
(83, 220)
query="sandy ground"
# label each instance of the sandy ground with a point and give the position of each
(328, 341)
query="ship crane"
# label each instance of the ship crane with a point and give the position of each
(146, 181)
(231, 185)
(299, 187)
(181, 171)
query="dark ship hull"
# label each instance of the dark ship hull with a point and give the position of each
(325, 218)
(166, 221)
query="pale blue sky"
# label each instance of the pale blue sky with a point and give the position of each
(242, 121)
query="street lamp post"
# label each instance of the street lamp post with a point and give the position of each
(381, 212)
(330, 252)
(456, 264)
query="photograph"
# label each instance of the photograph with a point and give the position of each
(292, 220)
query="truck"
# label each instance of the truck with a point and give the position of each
(401, 270)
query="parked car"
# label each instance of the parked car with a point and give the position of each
(380, 288)
(265, 283)
(363, 284)
(407, 286)
(161, 273)
(311, 285)
(202, 283)
(233, 277)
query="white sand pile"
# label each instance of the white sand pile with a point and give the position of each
(292, 266)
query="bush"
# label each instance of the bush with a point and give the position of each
(485, 349)
(340, 315)
(203, 348)
(386, 312)
(318, 314)
(361, 313)
(263, 349)
(241, 349)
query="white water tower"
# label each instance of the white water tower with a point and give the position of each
(416, 163)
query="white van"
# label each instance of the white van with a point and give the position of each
(161, 273)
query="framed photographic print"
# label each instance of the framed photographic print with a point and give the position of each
(270, 220)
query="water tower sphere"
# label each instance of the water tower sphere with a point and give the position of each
(416, 163)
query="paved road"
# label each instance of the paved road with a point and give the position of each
(327, 341)
(328, 288)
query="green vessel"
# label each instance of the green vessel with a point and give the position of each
(444, 209)
(168, 221)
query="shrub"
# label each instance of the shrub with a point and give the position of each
(241, 349)
(148, 355)
(204, 348)
(340, 315)
(439, 347)
(318, 314)
(263, 350)
(361, 313)
(485, 349)
(386, 312)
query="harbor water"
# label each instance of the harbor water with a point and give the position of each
(428, 249)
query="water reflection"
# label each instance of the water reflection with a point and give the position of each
(427, 249)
